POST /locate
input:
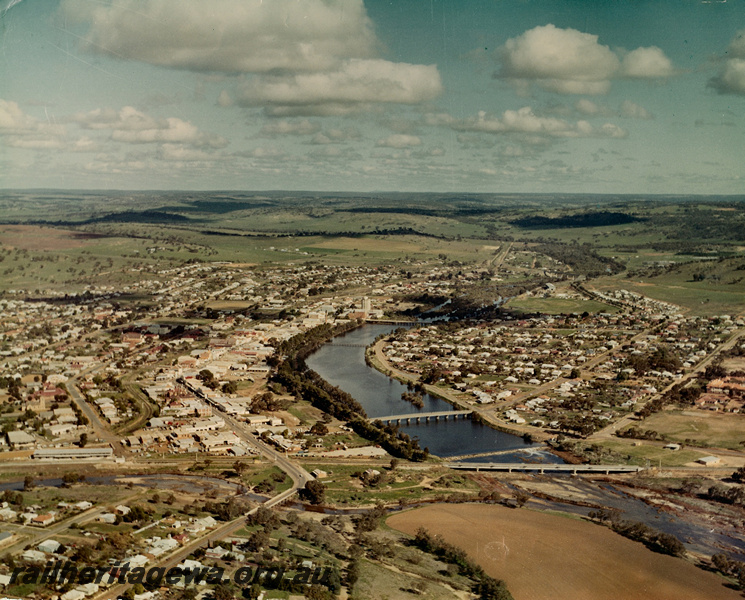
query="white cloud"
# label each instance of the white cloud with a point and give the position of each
(525, 121)
(35, 143)
(567, 61)
(315, 57)
(85, 144)
(731, 79)
(283, 127)
(179, 152)
(632, 110)
(647, 63)
(590, 108)
(228, 36)
(21, 130)
(224, 99)
(399, 140)
(336, 136)
(731, 76)
(349, 89)
(129, 125)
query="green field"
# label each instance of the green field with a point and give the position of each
(116, 240)
(555, 306)
(702, 427)
(647, 455)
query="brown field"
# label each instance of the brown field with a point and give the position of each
(31, 237)
(548, 557)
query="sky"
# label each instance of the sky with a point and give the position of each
(497, 96)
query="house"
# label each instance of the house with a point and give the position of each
(8, 514)
(19, 440)
(43, 520)
(49, 546)
(34, 556)
(708, 461)
(73, 595)
(109, 518)
(216, 552)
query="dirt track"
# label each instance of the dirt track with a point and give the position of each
(546, 557)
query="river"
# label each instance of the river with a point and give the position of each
(341, 362)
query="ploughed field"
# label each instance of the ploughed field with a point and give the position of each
(543, 556)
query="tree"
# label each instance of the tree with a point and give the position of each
(314, 492)
(521, 498)
(70, 478)
(739, 475)
(317, 592)
(29, 483)
(83, 440)
(224, 591)
(319, 428)
(231, 387)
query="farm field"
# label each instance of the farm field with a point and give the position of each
(546, 556)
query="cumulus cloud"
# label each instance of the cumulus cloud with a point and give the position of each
(349, 89)
(399, 140)
(181, 153)
(85, 144)
(315, 57)
(525, 121)
(20, 130)
(731, 76)
(631, 110)
(647, 63)
(567, 61)
(224, 99)
(336, 135)
(228, 36)
(283, 127)
(132, 126)
(590, 108)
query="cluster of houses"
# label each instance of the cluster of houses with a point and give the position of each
(725, 395)
(34, 515)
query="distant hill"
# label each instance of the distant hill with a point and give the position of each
(590, 219)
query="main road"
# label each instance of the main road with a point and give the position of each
(298, 475)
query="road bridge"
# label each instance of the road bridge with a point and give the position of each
(423, 417)
(543, 467)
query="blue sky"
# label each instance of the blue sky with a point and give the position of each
(584, 96)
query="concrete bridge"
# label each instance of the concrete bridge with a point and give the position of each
(542, 468)
(423, 417)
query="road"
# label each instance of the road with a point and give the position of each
(298, 475)
(100, 429)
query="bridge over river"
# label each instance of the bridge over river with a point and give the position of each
(423, 416)
(541, 468)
